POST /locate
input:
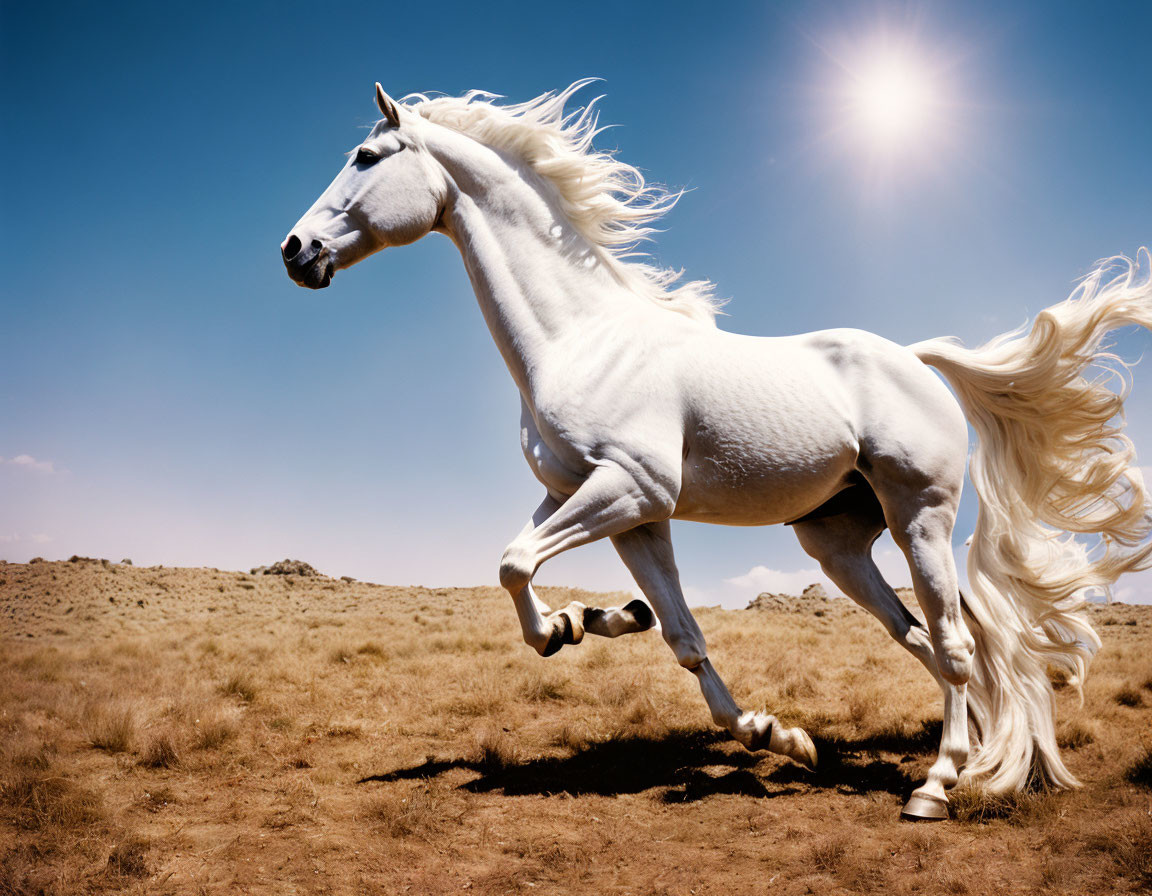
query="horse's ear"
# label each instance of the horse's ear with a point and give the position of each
(387, 106)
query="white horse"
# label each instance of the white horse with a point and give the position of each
(637, 410)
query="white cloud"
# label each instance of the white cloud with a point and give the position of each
(28, 462)
(7, 538)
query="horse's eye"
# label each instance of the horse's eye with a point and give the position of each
(365, 156)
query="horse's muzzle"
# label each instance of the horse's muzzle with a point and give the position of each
(309, 265)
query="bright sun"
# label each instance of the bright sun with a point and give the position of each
(893, 101)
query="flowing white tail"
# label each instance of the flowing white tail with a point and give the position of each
(1051, 462)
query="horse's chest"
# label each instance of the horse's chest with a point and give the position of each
(559, 444)
(560, 476)
(576, 424)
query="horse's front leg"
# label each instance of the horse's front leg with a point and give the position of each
(610, 501)
(647, 552)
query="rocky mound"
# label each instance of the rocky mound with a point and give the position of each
(813, 598)
(286, 568)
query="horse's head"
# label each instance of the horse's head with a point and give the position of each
(390, 193)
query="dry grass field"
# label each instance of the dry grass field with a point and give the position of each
(198, 731)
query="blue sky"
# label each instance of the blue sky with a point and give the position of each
(169, 395)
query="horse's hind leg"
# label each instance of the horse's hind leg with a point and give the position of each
(921, 513)
(843, 546)
(647, 552)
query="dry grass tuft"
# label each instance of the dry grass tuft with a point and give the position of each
(828, 854)
(1076, 733)
(161, 751)
(968, 805)
(862, 707)
(1132, 851)
(127, 857)
(158, 798)
(484, 698)
(47, 800)
(1129, 845)
(1129, 696)
(239, 684)
(344, 729)
(111, 727)
(953, 882)
(496, 751)
(342, 654)
(539, 689)
(570, 737)
(214, 728)
(418, 811)
(1140, 771)
(36, 755)
(299, 760)
(596, 656)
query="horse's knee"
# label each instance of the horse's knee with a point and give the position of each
(689, 647)
(516, 568)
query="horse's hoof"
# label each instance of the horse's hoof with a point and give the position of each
(803, 750)
(574, 613)
(567, 628)
(925, 807)
(641, 614)
(766, 733)
(560, 635)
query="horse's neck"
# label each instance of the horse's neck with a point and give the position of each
(536, 279)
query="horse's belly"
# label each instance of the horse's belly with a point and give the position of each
(776, 496)
(757, 475)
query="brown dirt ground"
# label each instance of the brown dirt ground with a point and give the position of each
(199, 731)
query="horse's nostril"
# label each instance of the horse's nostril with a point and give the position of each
(291, 247)
(316, 244)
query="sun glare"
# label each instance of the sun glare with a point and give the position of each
(892, 99)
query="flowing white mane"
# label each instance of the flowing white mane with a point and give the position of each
(608, 201)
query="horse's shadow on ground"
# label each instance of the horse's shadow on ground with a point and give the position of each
(689, 766)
